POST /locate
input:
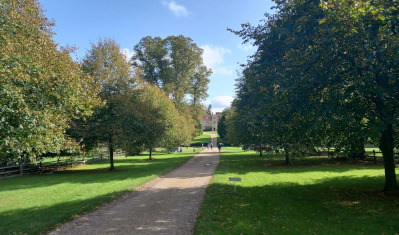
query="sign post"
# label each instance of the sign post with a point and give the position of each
(235, 179)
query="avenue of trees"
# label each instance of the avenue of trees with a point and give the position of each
(325, 74)
(50, 103)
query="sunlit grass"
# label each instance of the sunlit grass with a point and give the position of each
(312, 196)
(37, 203)
(203, 139)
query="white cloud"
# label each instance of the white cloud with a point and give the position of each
(213, 55)
(176, 9)
(213, 58)
(128, 53)
(246, 47)
(219, 103)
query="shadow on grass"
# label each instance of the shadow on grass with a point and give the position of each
(126, 168)
(36, 220)
(340, 205)
(275, 164)
(48, 213)
(311, 196)
(203, 139)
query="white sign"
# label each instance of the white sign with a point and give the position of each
(235, 179)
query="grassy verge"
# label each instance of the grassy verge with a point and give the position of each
(310, 197)
(202, 139)
(37, 203)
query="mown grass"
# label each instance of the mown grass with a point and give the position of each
(37, 203)
(312, 196)
(204, 139)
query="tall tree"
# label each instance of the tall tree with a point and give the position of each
(222, 127)
(41, 87)
(161, 124)
(364, 36)
(111, 71)
(332, 67)
(175, 65)
(209, 109)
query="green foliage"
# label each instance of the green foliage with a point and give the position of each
(209, 109)
(109, 67)
(222, 127)
(237, 127)
(311, 197)
(136, 114)
(161, 124)
(41, 87)
(175, 65)
(325, 74)
(111, 71)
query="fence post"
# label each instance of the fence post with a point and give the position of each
(375, 158)
(21, 169)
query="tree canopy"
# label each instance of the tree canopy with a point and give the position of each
(50, 103)
(160, 124)
(111, 72)
(325, 73)
(175, 65)
(136, 115)
(41, 87)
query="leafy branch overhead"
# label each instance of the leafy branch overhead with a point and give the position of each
(325, 74)
(41, 87)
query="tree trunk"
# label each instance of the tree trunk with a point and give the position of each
(150, 158)
(387, 146)
(287, 156)
(111, 157)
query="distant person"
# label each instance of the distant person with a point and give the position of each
(211, 146)
(220, 146)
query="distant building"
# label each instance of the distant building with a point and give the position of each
(210, 122)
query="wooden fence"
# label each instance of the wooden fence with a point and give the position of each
(48, 166)
(371, 156)
(13, 171)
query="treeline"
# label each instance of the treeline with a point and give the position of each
(325, 74)
(50, 103)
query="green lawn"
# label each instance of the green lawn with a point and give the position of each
(37, 203)
(206, 138)
(313, 196)
(202, 139)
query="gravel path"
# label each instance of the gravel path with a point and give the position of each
(167, 205)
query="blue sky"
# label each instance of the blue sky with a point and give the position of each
(81, 22)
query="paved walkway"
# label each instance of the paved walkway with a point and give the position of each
(167, 205)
